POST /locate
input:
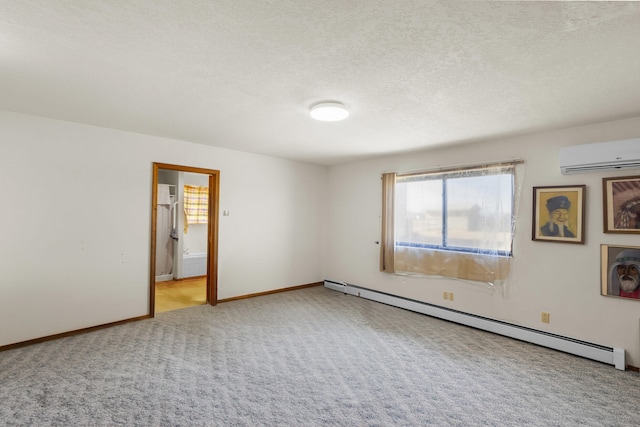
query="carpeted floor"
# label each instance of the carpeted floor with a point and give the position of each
(310, 357)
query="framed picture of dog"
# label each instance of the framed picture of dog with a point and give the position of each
(621, 202)
(558, 214)
(620, 271)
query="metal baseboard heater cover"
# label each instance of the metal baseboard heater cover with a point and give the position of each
(600, 353)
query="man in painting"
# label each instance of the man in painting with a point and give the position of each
(558, 208)
(625, 195)
(627, 216)
(624, 275)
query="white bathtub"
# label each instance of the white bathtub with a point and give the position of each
(194, 265)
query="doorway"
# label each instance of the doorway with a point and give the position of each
(171, 262)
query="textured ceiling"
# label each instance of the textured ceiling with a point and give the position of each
(242, 74)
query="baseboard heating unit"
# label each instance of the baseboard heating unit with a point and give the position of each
(600, 353)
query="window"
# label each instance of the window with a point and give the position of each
(470, 211)
(455, 223)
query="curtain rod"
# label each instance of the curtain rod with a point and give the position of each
(459, 167)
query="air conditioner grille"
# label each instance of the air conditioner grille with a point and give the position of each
(595, 168)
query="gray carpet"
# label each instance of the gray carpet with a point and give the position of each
(309, 357)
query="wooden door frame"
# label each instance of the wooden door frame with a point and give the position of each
(212, 231)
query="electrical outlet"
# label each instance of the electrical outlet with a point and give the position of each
(445, 295)
(450, 296)
(544, 317)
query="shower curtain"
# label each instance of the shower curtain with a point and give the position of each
(164, 242)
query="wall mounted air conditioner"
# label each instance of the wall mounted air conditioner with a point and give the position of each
(600, 156)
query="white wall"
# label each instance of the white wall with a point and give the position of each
(76, 210)
(563, 279)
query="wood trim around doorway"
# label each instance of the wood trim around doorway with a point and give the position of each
(212, 241)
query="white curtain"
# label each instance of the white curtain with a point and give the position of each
(485, 236)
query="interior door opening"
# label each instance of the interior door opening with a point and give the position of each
(184, 230)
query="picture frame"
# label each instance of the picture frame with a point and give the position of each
(620, 271)
(621, 204)
(558, 214)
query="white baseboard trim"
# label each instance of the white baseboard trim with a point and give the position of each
(600, 353)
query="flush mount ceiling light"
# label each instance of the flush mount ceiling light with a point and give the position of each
(329, 111)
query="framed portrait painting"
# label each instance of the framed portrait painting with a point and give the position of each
(621, 202)
(620, 271)
(558, 214)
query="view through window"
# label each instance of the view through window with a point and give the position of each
(467, 211)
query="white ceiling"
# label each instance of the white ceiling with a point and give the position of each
(242, 74)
